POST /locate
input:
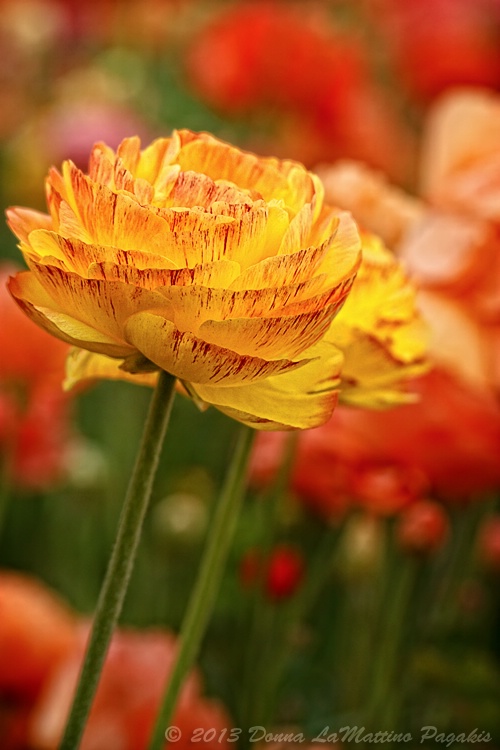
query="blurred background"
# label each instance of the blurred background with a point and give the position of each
(362, 586)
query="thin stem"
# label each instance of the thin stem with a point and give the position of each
(262, 613)
(319, 572)
(385, 693)
(203, 595)
(122, 559)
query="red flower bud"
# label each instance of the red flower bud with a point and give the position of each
(422, 528)
(489, 544)
(281, 575)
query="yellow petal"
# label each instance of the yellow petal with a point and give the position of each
(83, 367)
(246, 235)
(191, 359)
(300, 399)
(373, 378)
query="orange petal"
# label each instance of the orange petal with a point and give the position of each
(268, 177)
(193, 305)
(39, 306)
(80, 256)
(218, 274)
(22, 221)
(102, 305)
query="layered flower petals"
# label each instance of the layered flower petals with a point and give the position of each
(191, 358)
(380, 332)
(297, 399)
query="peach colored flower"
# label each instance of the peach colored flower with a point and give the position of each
(448, 240)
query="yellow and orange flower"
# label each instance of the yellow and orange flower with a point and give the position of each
(222, 268)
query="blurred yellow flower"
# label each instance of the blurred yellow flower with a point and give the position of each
(220, 267)
(381, 334)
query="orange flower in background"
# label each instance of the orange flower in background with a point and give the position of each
(435, 44)
(220, 267)
(297, 67)
(37, 631)
(127, 700)
(446, 444)
(41, 648)
(34, 411)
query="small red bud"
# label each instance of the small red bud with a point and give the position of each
(489, 544)
(422, 528)
(281, 575)
(285, 572)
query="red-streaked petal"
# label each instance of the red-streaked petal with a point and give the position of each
(79, 257)
(191, 359)
(300, 399)
(22, 221)
(39, 306)
(103, 305)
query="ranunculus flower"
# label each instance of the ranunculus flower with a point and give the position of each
(295, 64)
(436, 44)
(222, 268)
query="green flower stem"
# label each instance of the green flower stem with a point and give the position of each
(203, 595)
(122, 559)
(291, 616)
(262, 614)
(401, 576)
